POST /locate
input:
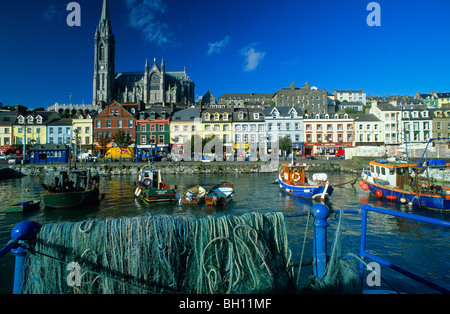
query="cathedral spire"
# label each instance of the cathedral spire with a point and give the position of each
(105, 10)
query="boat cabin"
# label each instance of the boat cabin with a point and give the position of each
(293, 174)
(150, 178)
(397, 175)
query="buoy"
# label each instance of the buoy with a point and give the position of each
(402, 200)
(379, 193)
(410, 204)
(365, 187)
(391, 197)
(361, 182)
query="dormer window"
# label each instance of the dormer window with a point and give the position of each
(30, 120)
(225, 116)
(256, 115)
(207, 116)
(216, 116)
(39, 120)
(241, 115)
(142, 115)
(21, 120)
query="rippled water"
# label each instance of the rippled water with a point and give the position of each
(417, 247)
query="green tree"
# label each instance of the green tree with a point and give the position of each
(103, 141)
(122, 140)
(285, 143)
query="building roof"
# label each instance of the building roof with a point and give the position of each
(186, 114)
(364, 118)
(48, 147)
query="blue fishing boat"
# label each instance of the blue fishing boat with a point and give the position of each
(402, 182)
(292, 180)
(398, 182)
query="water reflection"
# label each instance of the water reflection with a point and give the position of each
(407, 243)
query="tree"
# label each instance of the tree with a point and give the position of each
(285, 143)
(103, 141)
(122, 140)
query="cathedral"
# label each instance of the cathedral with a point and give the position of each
(153, 86)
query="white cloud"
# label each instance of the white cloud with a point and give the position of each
(253, 57)
(143, 15)
(53, 11)
(216, 47)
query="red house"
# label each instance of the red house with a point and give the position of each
(113, 118)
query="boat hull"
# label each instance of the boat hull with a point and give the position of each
(321, 191)
(65, 200)
(24, 207)
(220, 194)
(156, 195)
(422, 200)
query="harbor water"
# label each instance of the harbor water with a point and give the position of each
(417, 247)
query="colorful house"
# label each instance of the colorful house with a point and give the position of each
(49, 154)
(153, 132)
(110, 120)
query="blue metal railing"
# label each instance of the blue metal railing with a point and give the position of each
(24, 235)
(364, 254)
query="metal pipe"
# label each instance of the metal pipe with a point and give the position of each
(321, 214)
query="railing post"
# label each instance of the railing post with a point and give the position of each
(321, 214)
(24, 232)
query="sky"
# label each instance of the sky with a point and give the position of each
(228, 46)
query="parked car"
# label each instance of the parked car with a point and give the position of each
(4, 157)
(89, 157)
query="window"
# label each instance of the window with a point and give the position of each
(216, 116)
(119, 123)
(143, 139)
(161, 127)
(130, 123)
(59, 131)
(108, 124)
(98, 124)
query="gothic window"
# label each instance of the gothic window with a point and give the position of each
(102, 52)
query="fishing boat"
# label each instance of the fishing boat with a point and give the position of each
(193, 196)
(220, 194)
(72, 188)
(292, 180)
(24, 207)
(151, 188)
(401, 182)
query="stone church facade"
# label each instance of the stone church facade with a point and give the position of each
(153, 86)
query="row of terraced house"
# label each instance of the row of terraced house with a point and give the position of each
(159, 129)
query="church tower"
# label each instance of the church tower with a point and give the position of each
(104, 69)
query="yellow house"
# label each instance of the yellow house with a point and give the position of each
(443, 99)
(218, 122)
(183, 125)
(30, 128)
(83, 128)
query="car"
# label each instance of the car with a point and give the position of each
(88, 157)
(4, 157)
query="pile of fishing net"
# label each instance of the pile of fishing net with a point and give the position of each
(162, 254)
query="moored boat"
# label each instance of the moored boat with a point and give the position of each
(401, 182)
(24, 207)
(71, 189)
(193, 196)
(292, 180)
(151, 188)
(220, 194)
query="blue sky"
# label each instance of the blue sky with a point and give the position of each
(227, 46)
